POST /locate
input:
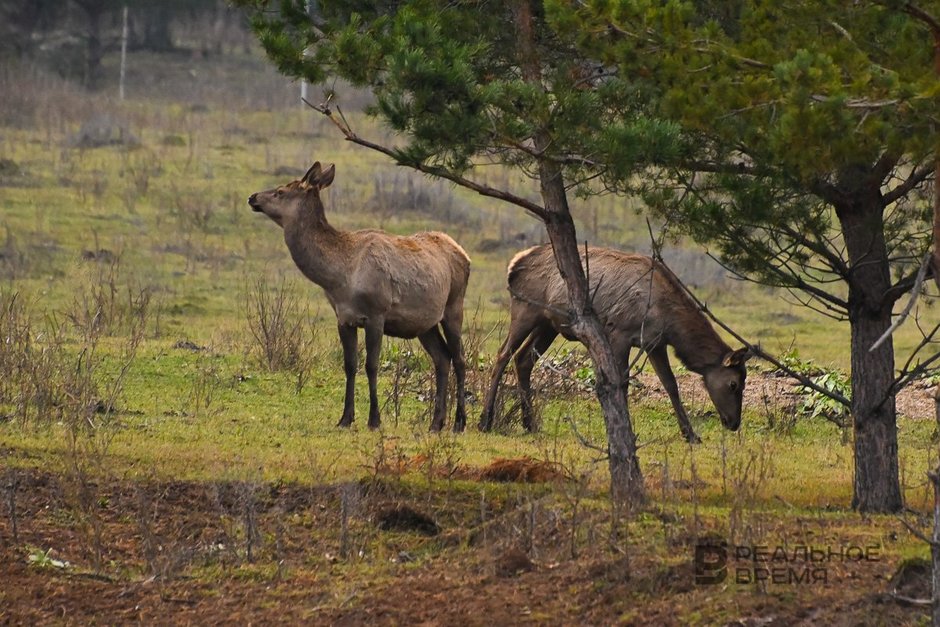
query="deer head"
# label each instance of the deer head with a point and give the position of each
(725, 385)
(285, 203)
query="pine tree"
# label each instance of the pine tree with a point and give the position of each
(811, 133)
(464, 83)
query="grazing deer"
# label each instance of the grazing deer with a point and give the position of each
(400, 286)
(641, 305)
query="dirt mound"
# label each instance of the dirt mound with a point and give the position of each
(512, 562)
(520, 470)
(500, 470)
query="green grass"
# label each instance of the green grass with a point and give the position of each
(174, 212)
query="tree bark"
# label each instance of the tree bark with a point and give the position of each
(876, 484)
(626, 479)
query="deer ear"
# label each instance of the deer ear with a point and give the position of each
(737, 358)
(310, 178)
(326, 177)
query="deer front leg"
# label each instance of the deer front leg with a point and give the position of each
(374, 332)
(348, 336)
(660, 360)
(434, 344)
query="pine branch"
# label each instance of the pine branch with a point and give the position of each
(918, 176)
(484, 190)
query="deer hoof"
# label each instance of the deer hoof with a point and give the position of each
(692, 438)
(460, 422)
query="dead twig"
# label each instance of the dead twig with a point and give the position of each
(915, 292)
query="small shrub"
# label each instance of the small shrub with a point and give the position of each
(816, 404)
(283, 337)
(173, 140)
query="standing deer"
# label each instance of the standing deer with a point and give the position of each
(641, 305)
(400, 286)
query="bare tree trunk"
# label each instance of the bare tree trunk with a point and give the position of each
(157, 34)
(94, 49)
(626, 479)
(876, 485)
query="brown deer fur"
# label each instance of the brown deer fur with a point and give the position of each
(640, 304)
(400, 286)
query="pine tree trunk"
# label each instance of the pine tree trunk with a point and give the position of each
(626, 480)
(876, 488)
(876, 484)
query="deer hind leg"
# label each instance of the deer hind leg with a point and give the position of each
(374, 332)
(519, 329)
(436, 347)
(660, 360)
(526, 357)
(452, 324)
(348, 336)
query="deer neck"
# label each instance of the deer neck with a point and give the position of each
(696, 343)
(317, 248)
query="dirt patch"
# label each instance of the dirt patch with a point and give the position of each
(769, 392)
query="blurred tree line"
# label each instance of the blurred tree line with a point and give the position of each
(73, 36)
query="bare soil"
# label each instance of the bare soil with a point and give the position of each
(177, 553)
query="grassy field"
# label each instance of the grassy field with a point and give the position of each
(149, 440)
